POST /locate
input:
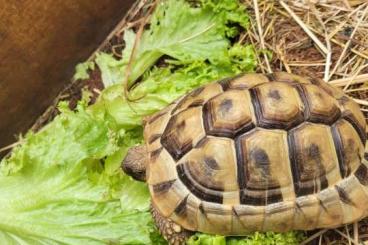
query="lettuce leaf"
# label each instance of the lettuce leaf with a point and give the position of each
(185, 33)
(55, 188)
(257, 238)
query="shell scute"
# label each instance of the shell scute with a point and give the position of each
(277, 105)
(321, 108)
(211, 168)
(264, 168)
(183, 131)
(314, 161)
(228, 114)
(197, 97)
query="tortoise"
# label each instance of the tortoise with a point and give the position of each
(255, 152)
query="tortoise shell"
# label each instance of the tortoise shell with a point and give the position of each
(257, 153)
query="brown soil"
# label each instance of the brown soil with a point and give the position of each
(72, 93)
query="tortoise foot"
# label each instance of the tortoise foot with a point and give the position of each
(172, 232)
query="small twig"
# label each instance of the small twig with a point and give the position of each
(343, 81)
(354, 76)
(9, 147)
(345, 236)
(348, 234)
(361, 102)
(356, 232)
(304, 27)
(347, 44)
(328, 44)
(356, 89)
(357, 52)
(314, 236)
(97, 91)
(128, 69)
(260, 33)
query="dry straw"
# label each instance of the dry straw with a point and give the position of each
(323, 39)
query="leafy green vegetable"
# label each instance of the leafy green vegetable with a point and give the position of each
(55, 189)
(185, 33)
(81, 70)
(268, 238)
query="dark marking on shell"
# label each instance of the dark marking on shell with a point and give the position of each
(180, 126)
(260, 197)
(362, 174)
(155, 117)
(314, 153)
(293, 163)
(195, 188)
(225, 106)
(344, 170)
(194, 93)
(256, 105)
(153, 138)
(154, 154)
(274, 94)
(366, 156)
(246, 199)
(197, 91)
(201, 142)
(343, 100)
(299, 209)
(201, 209)
(240, 165)
(271, 77)
(196, 103)
(181, 209)
(304, 99)
(344, 196)
(225, 83)
(274, 198)
(323, 182)
(235, 213)
(163, 187)
(361, 132)
(315, 81)
(211, 163)
(261, 160)
(303, 190)
(323, 205)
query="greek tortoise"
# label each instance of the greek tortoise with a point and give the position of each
(255, 152)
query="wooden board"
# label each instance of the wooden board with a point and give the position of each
(40, 44)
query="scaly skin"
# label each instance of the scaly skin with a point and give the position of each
(173, 233)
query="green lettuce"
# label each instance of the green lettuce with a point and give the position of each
(55, 188)
(186, 34)
(267, 238)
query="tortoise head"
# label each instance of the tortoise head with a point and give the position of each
(135, 162)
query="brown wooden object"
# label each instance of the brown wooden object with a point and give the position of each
(40, 44)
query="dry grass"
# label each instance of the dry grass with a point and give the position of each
(323, 39)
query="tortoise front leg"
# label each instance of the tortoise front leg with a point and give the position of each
(172, 232)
